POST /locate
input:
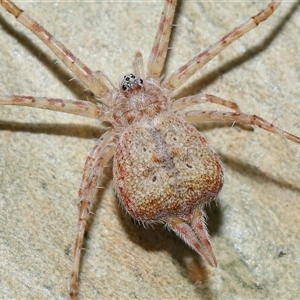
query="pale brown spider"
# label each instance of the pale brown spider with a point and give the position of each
(161, 158)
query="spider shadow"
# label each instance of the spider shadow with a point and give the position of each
(197, 86)
(79, 131)
(237, 165)
(248, 170)
(156, 238)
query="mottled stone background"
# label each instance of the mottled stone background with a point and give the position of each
(255, 225)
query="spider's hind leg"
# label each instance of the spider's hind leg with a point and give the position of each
(197, 116)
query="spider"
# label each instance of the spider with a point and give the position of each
(155, 132)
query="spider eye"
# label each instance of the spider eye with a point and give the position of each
(131, 83)
(124, 87)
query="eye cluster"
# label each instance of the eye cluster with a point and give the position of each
(131, 83)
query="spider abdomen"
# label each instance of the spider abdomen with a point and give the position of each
(165, 167)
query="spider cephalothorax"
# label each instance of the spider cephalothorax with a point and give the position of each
(138, 100)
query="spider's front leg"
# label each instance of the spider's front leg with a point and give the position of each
(159, 49)
(95, 163)
(181, 75)
(97, 81)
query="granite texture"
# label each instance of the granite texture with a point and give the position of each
(255, 225)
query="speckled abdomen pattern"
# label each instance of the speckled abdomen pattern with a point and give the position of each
(165, 167)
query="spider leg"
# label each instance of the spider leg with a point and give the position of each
(139, 65)
(181, 75)
(95, 163)
(199, 227)
(160, 46)
(189, 102)
(186, 102)
(197, 116)
(97, 82)
(194, 234)
(75, 107)
(102, 142)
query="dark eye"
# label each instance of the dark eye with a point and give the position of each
(131, 83)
